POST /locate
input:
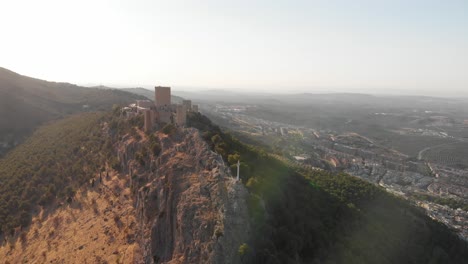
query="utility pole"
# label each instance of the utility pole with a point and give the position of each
(238, 166)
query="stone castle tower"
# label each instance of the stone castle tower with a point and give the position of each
(162, 111)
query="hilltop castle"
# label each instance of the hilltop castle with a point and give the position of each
(162, 110)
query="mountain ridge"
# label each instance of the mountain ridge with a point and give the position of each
(173, 197)
(28, 102)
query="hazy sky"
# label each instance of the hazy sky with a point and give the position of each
(350, 45)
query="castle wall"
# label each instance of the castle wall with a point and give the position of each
(148, 120)
(187, 104)
(154, 116)
(165, 113)
(181, 115)
(144, 103)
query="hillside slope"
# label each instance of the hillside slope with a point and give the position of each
(168, 198)
(98, 226)
(26, 103)
(306, 216)
(56, 160)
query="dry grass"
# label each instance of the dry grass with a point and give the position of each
(75, 233)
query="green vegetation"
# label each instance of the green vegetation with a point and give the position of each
(59, 158)
(34, 102)
(56, 160)
(169, 129)
(297, 215)
(243, 249)
(154, 145)
(302, 216)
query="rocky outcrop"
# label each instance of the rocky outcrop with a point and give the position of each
(189, 207)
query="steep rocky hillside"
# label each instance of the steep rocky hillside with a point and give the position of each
(26, 103)
(102, 191)
(189, 207)
(152, 199)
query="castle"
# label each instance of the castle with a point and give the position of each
(162, 110)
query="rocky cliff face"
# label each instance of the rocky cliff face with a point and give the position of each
(189, 207)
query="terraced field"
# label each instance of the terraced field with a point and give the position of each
(412, 144)
(453, 155)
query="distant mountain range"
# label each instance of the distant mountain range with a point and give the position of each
(26, 102)
(319, 99)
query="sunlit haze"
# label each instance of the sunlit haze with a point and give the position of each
(418, 47)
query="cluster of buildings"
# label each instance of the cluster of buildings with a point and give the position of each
(161, 110)
(455, 218)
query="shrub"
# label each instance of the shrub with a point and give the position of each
(155, 148)
(140, 158)
(218, 232)
(56, 221)
(23, 237)
(116, 218)
(243, 249)
(233, 158)
(134, 133)
(169, 129)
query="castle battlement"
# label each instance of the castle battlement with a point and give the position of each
(161, 111)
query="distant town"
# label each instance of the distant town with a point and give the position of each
(360, 156)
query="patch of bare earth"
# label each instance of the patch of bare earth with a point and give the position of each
(99, 226)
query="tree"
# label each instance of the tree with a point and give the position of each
(243, 249)
(216, 139)
(233, 158)
(169, 129)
